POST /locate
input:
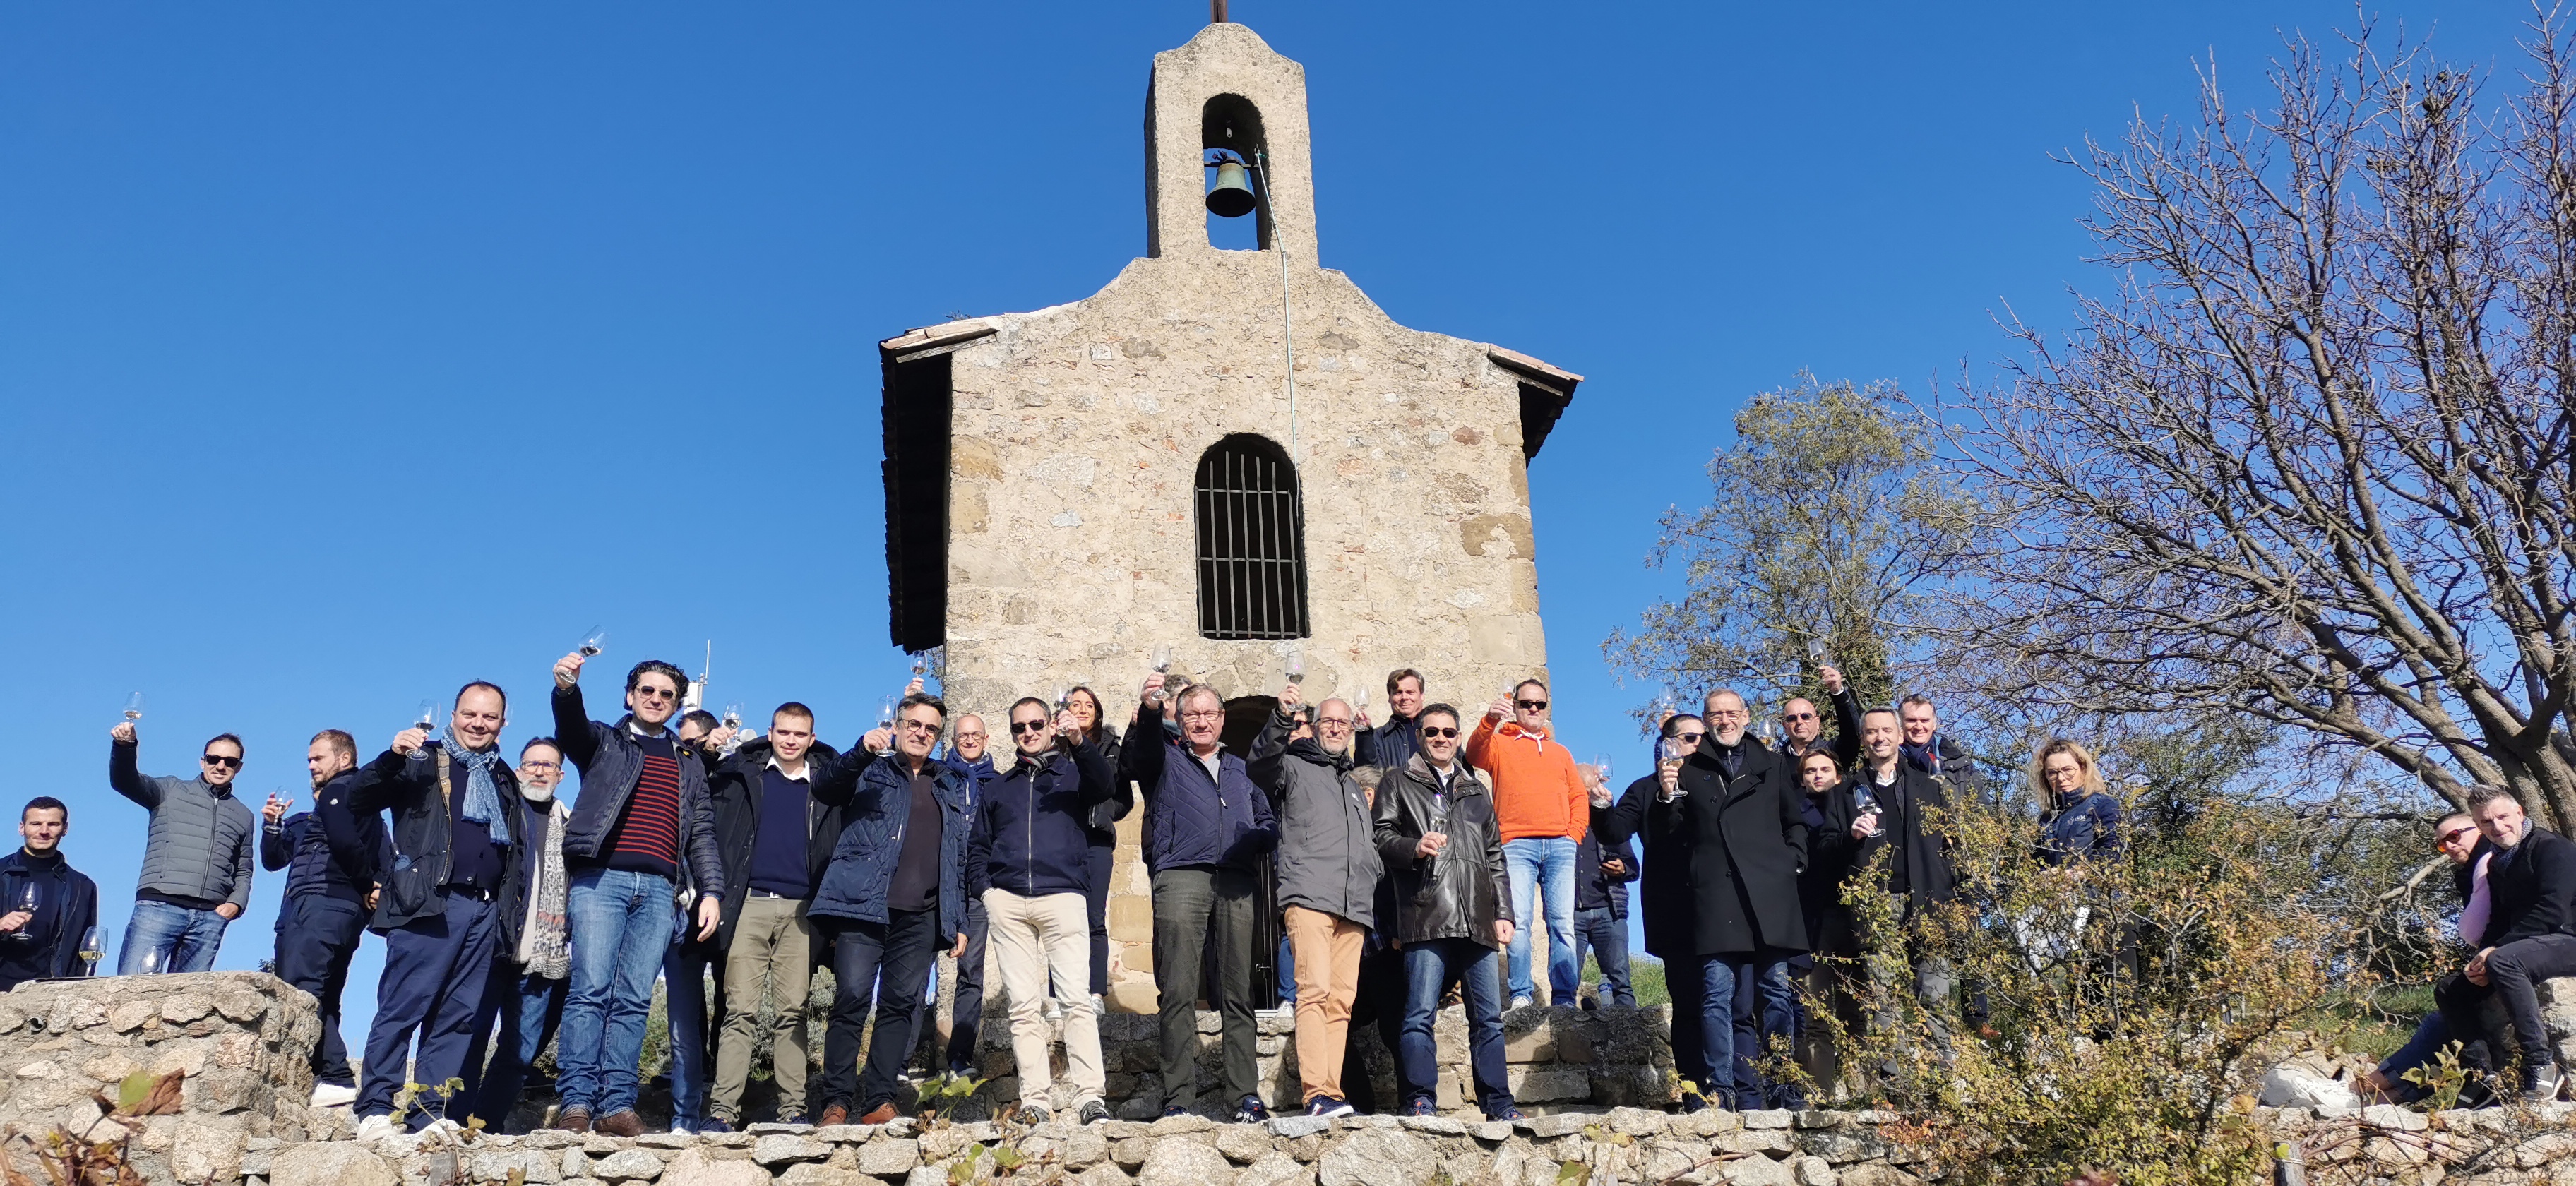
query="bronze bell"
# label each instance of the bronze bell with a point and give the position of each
(1231, 196)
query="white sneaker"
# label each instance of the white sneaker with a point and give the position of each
(378, 1128)
(1054, 1009)
(332, 1095)
(441, 1129)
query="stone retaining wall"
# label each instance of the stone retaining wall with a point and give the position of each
(244, 1039)
(2373, 1146)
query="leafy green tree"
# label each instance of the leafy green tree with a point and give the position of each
(1823, 518)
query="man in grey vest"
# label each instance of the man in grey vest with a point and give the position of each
(196, 856)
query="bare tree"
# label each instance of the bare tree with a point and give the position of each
(1822, 520)
(2311, 461)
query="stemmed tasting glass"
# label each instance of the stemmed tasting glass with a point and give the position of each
(93, 945)
(1296, 665)
(425, 720)
(920, 664)
(134, 707)
(1163, 657)
(1816, 649)
(885, 721)
(1601, 762)
(594, 642)
(26, 901)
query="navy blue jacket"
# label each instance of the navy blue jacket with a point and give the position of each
(878, 808)
(737, 788)
(1594, 887)
(1191, 819)
(610, 763)
(300, 845)
(2086, 828)
(1028, 836)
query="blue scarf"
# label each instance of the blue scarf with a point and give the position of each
(482, 795)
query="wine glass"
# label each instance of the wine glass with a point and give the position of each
(134, 707)
(93, 944)
(151, 960)
(1296, 664)
(920, 664)
(594, 642)
(1163, 657)
(1363, 704)
(1601, 762)
(25, 903)
(1816, 649)
(1063, 697)
(885, 721)
(733, 715)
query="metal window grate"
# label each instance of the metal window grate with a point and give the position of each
(1252, 542)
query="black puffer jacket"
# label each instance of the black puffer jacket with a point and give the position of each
(1460, 892)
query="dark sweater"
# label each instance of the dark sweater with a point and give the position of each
(779, 861)
(66, 907)
(915, 885)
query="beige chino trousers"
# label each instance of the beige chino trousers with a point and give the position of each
(772, 954)
(1036, 940)
(1326, 949)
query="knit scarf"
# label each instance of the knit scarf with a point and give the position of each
(545, 948)
(482, 795)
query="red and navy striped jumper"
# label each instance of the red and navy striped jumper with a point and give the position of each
(647, 837)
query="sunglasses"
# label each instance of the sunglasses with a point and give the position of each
(2446, 838)
(1689, 737)
(1435, 731)
(1023, 727)
(1798, 716)
(1531, 705)
(655, 694)
(220, 760)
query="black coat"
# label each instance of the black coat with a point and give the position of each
(1820, 885)
(2533, 885)
(1903, 806)
(1722, 860)
(421, 830)
(1102, 820)
(734, 790)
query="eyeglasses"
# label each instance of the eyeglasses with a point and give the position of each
(1334, 723)
(1435, 732)
(920, 727)
(1203, 715)
(541, 765)
(1531, 705)
(221, 760)
(1019, 728)
(2453, 834)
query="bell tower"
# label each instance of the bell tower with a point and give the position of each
(1227, 90)
(1233, 454)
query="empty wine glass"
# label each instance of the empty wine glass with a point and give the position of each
(1063, 697)
(1163, 657)
(134, 707)
(150, 964)
(1601, 762)
(885, 721)
(1673, 750)
(594, 642)
(1363, 703)
(93, 944)
(1816, 649)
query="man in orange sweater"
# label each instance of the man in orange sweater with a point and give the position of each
(1541, 803)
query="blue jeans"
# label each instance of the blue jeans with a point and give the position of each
(1606, 934)
(527, 1009)
(620, 922)
(966, 1027)
(1429, 969)
(1545, 865)
(179, 938)
(1703, 990)
(435, 969)
(1766, 1015)
(693, 1022)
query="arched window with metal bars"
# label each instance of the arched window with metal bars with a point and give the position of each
(1252, 541)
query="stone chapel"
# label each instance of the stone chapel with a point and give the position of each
(1232, 453)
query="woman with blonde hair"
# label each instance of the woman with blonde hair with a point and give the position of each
(2080, 819)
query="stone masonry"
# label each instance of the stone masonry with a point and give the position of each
(245, 1040)
(1041, 466)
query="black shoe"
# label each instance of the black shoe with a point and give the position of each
(1693, 1101)
(1091, 1111)
(1172, 1110)
(1250, 1111)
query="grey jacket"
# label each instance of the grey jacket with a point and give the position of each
(1327, 856)
(201, 837)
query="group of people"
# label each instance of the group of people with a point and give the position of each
(1410, 859)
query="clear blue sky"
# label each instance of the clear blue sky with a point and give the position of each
(350, 352)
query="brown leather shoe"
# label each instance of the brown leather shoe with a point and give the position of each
(622, 1123)
(881, 1114)
(833, 1114)
(574, 1120)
